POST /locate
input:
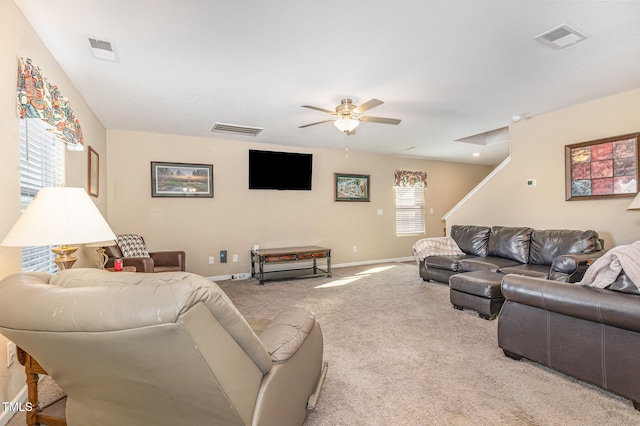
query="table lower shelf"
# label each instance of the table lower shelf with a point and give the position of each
(53, 414)
(292, 274)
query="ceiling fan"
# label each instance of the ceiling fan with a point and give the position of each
(349, 115)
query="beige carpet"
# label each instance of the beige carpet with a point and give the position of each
(399, 354)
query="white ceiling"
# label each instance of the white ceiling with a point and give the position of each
(449, 69)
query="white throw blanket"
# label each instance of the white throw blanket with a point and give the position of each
(605, 270)
(435, 246)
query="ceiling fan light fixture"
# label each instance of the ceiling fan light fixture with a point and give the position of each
(346, 124)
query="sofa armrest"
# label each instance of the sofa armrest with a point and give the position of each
(284, 335)
(571, 267)
(593, 304)
(169, 258)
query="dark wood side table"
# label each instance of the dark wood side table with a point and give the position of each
(53, 414)
(124, 269)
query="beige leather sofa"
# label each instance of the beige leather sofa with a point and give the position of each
(162, 349)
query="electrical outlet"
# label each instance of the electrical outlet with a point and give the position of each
(211, 259)
(355, 249)
(235, 258)
(11, 353)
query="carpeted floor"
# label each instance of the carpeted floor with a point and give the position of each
(399, 353)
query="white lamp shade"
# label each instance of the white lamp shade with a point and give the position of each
(635, 204)
(59, 216)
(346, 124)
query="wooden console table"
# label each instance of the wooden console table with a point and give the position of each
(290, 254)
(53, 414)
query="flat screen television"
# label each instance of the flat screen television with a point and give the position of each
(280, 170)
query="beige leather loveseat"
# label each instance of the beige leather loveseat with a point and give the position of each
(162, 349)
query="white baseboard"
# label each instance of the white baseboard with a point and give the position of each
(333, 266)
(6, 415)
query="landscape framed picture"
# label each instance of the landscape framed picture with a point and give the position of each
(350, 187)
(181, 180)
(603, 168)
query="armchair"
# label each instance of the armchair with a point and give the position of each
(133, 251)
(162, 349)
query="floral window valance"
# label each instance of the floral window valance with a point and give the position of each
(37, 98)
(409, 178)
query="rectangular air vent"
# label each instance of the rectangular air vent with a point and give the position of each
(236, 129)
(102, 49)
(561, 36)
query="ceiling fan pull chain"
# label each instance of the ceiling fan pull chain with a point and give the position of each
(346, 146)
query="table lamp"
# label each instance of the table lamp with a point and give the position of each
(101, 255)
(635, 204)
(59, 215)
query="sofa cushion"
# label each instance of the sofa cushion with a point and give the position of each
(471, 239)
(510, 243)
(479, 283)
(486, 263)
(449, 263)
(548, 244)
(624, 284)
(536, 271)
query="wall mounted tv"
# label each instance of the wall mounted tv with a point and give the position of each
(280, 170)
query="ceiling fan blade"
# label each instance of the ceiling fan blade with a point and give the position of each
(313, 124)
(380, 120)
(319, 109)
(367, 106)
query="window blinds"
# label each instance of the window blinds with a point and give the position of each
(41, 165)
(410, 210)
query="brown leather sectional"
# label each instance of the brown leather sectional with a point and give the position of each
(558, 254)
(589, 333)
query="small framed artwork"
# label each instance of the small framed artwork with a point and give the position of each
(181, 180)
(603, 168)
(349, 187)
(93, 180)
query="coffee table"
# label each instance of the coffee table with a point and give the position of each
(306, 257)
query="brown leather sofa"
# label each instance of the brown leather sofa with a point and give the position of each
(560, 255)
(162, 349)
(589, 333)
(160, 261)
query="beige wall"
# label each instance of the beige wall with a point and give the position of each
(19, 39)
(537, 151)
(237, 218)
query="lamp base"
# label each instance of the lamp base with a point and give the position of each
(65, 260)
(101, 257)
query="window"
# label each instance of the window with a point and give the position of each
(409, 210)
(41, 164)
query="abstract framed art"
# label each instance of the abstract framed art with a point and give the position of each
(349, 187)
(181, 180)
(603, 168)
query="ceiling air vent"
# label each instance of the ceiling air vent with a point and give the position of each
(561, 36)
(236, 129)
(102, 49)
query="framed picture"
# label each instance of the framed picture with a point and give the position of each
(181, 180)
(351, 187)
(604, 168)
(93, 175)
